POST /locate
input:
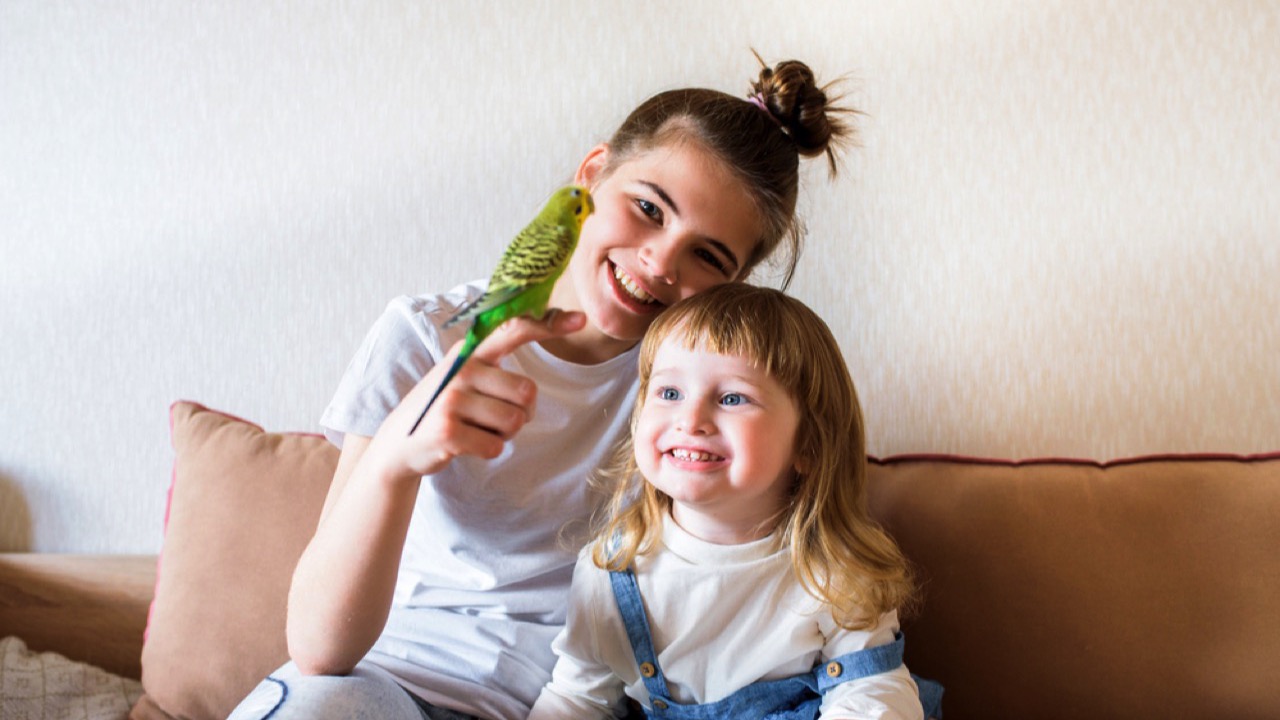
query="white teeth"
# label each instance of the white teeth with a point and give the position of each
(694, 455)
(630, 286)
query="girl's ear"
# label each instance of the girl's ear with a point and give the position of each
(592, 167)
(802, 465)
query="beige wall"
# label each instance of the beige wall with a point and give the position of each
(1059, 238)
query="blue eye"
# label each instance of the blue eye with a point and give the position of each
(669, 393)
(733, 399)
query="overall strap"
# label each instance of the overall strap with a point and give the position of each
(627, 592)
(861, 663)
(876, 660)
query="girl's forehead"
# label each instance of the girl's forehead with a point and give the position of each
(682, 154)
(682, 342)
(694, 365)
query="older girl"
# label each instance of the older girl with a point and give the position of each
(438, 574)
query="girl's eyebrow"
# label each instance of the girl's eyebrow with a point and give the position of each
(661, 372)
(675, 210)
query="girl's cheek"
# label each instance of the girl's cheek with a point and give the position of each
(701, 284)
(644, 428)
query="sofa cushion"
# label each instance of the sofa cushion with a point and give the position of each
(1060, 589)
(242, 505)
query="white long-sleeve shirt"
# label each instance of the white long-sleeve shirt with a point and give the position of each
(722, 617)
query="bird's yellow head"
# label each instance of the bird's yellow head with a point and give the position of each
(573, 203)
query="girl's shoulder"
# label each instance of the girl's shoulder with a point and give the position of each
(437, 308)
(412, 321)
(592, 584)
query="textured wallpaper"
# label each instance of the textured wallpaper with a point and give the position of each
(1060, 235)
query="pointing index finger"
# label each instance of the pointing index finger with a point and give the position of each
(518, 331)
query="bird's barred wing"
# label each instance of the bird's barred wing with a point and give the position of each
(538, 253)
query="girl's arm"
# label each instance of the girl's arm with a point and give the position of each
(583, 685)
(553, 704)
(341, 590)
(343, 585)
(887, 696)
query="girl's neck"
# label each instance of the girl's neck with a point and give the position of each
(586, 347)
(716, 531)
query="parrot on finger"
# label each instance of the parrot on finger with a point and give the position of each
(522, 282)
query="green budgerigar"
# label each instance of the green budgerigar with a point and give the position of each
(521, 285)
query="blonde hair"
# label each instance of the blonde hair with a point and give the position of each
(838, 552)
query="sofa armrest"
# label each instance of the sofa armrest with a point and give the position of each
(90, 608)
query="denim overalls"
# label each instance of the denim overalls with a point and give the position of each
(793, 698)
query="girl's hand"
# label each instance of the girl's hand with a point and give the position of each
(480, 409)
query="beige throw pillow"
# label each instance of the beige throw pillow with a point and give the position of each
(242, 506)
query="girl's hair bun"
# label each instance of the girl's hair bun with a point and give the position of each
(805, 110)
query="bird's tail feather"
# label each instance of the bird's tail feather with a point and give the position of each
(465, 312)
(468, 346)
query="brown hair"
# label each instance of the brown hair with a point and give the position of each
(760, 143)
(838, 552)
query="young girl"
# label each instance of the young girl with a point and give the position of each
(438, 573)
(738, 574)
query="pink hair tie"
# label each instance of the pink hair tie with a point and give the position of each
(758, 101)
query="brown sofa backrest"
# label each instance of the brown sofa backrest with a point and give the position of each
(1145, 588)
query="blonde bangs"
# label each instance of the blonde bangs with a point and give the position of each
(736, 319)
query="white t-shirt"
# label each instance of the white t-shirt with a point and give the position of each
(721, 618)
(484, 577)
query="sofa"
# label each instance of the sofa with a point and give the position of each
(1049, 588)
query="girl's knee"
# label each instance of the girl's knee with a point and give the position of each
(286, 694)
(264, 701)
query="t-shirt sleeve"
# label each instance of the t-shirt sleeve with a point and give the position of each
(400, 348)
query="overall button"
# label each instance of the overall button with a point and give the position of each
(659, 705)
(648, 670)
(834, 669)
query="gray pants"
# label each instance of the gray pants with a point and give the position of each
(368, 692)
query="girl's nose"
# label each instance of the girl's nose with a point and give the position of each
(660, 258)
(694, 419)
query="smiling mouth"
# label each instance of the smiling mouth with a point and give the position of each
(631, 288)
(694, 455)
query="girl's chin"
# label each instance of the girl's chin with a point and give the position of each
(617, 322)
(685, 490)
